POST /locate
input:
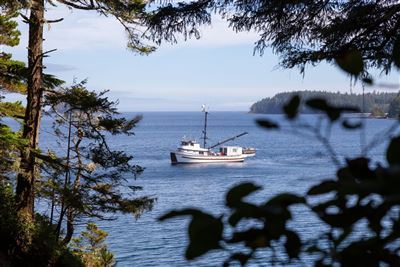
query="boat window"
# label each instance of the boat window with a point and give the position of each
(234, 150)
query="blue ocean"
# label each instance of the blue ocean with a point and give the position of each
(285, 162)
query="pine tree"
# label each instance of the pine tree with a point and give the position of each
(10, 81)
(86, 182)
(91, 248)
(128, 13)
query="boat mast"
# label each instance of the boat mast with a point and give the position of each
(204, 109)
(363, 99)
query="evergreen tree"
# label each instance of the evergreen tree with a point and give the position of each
(10, 81)
(86, 182)
(90, 247)
(128, 13)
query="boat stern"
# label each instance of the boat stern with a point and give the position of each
(174, 160)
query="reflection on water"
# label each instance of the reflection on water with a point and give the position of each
(283, 163)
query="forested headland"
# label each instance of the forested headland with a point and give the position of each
(377, 103)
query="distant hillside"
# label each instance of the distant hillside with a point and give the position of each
(273, 105)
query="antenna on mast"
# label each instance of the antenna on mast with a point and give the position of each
(205, 110)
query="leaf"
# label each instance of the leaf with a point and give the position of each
(351, 125)
(317, 103)
(267, 124)
(291, 109)
(246, 211)
(236, 194)
(323, 188)
(179, 213)
(396, 52)
(393, 151)
(205, 233)
(293, 244)
(285, 199)
(346, 217)
(253, 238)
(332, 112)
(368, 81)
(350, 61)
(359, 168)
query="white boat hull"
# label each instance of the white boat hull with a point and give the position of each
(177, 158)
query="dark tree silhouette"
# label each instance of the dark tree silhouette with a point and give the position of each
(300, 32)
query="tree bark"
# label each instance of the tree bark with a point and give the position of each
(25, 193)
(70, 212)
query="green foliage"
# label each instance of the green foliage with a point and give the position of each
(8, 28)
(13, 73)
(275, 104)
(43, 248)
(90, 247)
(10, 143)
(10, 78)
(8, 220)
(12, 110)
(358, 210)
(87, 181)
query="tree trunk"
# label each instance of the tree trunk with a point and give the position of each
(70, 226)
(26, 178)
(70, 212)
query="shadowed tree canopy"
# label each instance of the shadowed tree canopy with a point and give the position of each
(301, 32)
(14, 73)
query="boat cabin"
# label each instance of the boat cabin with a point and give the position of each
(230, 150)
(192, 146)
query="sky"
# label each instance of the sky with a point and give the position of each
(218, 70)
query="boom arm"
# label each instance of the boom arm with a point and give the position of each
(227, 140)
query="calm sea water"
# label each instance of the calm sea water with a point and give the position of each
(284, 162)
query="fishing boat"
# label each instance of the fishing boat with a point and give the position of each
(190, 151)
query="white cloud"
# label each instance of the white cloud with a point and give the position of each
(85, 30)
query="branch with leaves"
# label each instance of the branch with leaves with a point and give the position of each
(86, 182)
